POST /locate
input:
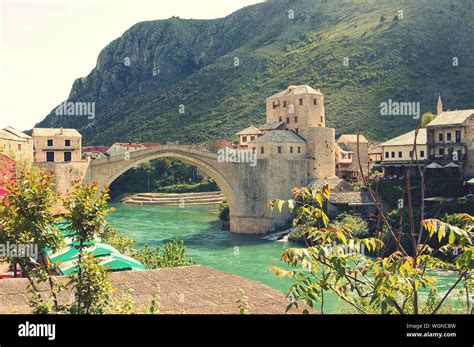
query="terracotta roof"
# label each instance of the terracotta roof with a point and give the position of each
(271, 126)
(95, 149)
(151, 144)
(296, 90)
(182, 290)
(251, 130)
(128, 144)
(55, 132)
(451, 118)
(224, 143)
(351, 138)
(280, 136)
(407, 139)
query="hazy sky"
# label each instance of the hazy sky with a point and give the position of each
(46, 44)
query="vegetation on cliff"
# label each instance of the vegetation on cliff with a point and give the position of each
(198, 80)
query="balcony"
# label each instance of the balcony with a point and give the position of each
(447, 158)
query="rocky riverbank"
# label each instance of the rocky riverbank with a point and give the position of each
(175, 199)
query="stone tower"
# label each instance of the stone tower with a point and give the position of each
(301, 108)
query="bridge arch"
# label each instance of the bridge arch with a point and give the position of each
(205, 165)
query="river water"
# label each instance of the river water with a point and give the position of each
(200, 229)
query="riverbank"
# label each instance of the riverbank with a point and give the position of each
(175, 199)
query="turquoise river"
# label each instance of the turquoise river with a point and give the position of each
(200, 229)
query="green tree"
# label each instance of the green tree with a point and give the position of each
(86, 209)
(389, 283)
(426, 118)
(27, 218)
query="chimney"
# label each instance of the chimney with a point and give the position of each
(61, 131)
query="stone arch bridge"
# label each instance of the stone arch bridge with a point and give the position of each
(247, 188)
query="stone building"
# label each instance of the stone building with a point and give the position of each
(122, 147)
(95, 152)
(347, 160)
(295, 129)
(280, 144)
(247, 135)
(451, 139)
(375, 152)
(57, 145)
(397, 152)
(16, 144)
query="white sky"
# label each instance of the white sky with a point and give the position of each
(46, 44)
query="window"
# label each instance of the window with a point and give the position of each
(301, 102)
(441, 151)
(299, 149)
(50, 143)
(284, 103)
(280, 119)
(387, 155)
(244, 138)
(440, 137)
(296, 130)
(274, 104)
(458, 135)
(67, 143)
(321, 119)
(19, 146)
(393, 154)
(410, 154)
(252, 138)
(315, 102)
(422, 154)
(279, 149)
(287, 120)
(262, 150)
(67, 156)
(291, 149)
(448, 136)
(296, 119)
(400, 154)
(50, 156)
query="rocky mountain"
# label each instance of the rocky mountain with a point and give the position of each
(199, 80)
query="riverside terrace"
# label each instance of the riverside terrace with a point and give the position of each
(191, 289)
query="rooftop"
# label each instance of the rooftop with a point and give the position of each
(344, 147)
(351, 138)
(17, 133)
(451, 118)
(95, 149)
(128, 144)
(351, 198)
(407, 139)
(296, 90)
(271, 126)
(189, 289)
(280, 136)
(251, 130)
(56, 132)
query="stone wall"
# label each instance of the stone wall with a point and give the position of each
(321, 147)
(65, 173)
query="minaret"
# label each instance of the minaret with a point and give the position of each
(440, 106)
